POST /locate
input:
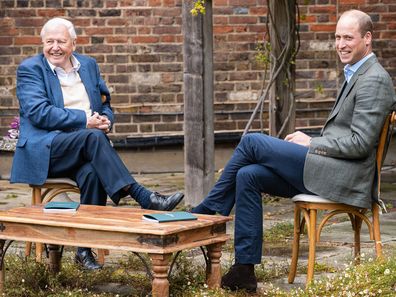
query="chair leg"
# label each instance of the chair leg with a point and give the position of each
(28, 249)
(36, 195)
(36, 199)
(376, 231)
(296, 244)
(358, 227)
(312, 245)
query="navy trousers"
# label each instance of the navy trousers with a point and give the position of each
(87, 157)
(259, 164)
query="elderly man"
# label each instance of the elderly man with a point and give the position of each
(339, 163)
(65, 115)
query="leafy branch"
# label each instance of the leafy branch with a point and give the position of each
(199, 7)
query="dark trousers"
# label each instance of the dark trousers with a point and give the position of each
(259, 164)
(87, 157)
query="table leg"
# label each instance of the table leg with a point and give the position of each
(160, 264)
(54, 258)
(213, 271)
(2, 268)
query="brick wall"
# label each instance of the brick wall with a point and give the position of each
(138, 45)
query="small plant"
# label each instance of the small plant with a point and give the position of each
(263, 53)
(13, 133)
(279, 232)
(199, 7)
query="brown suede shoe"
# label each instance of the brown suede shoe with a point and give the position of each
(240, 277)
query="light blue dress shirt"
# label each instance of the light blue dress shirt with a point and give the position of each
(349, 70)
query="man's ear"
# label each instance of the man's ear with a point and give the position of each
(74, 42)
(368, 38)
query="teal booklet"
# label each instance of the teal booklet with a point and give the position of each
(169, 217)
(57, 206)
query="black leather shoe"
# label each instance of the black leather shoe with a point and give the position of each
(240, 277)
(86, 259)
(162, 202)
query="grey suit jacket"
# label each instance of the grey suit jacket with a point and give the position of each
(340, 164)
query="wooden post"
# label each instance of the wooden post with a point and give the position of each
(198, 103)
(282, 106)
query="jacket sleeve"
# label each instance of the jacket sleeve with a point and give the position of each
(36, 105)
(373, 100)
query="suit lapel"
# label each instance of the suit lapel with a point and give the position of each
(54, 85)
(87, 82)
(347, 87)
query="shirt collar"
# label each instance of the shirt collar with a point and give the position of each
(76, 65)
(349, 70)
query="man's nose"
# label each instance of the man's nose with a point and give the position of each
(341, 43)
(55, 45)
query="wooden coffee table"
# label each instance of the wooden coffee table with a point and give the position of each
(107, 227)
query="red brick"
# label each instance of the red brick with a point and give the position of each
(5, 40)
(322, 9)
(117, 39)
(352, 1)
(167, 11)
(222, 29)
(307, 18)
(111, 3)
(83, 40)
(51, 12)
(154, 3)
(169, 3)
(220, 3)
(82, 23)
(243, 20)
(261, 11)
(29, 22)
(144, 39)
(242, 2)
(27, 40)
(323, 28)
(98, 31)
(167, 38)
(166, 30)
(144, 31)
(220, 20)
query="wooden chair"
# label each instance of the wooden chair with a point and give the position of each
(45, 193)
(306, 208)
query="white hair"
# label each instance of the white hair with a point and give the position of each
(59, 22)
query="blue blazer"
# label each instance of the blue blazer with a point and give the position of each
(43, 115)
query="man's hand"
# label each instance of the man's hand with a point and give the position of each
(299, 138)
(97, 121)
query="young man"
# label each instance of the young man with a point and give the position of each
(65, 115)
(339, 163)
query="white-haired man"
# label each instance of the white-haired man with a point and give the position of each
(65, 115)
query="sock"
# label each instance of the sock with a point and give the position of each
(202, 209)
(82, 249)
(140, 194)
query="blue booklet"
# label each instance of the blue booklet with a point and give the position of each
(58, 206)
(169, 217)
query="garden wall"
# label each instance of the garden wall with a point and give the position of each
(139, 47)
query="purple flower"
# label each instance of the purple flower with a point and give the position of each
(13, 133)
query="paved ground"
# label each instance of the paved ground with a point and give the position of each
(335, 250)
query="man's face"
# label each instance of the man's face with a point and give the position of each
(58, 46)
(350, 45)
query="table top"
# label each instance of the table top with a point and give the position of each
(107, 218)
